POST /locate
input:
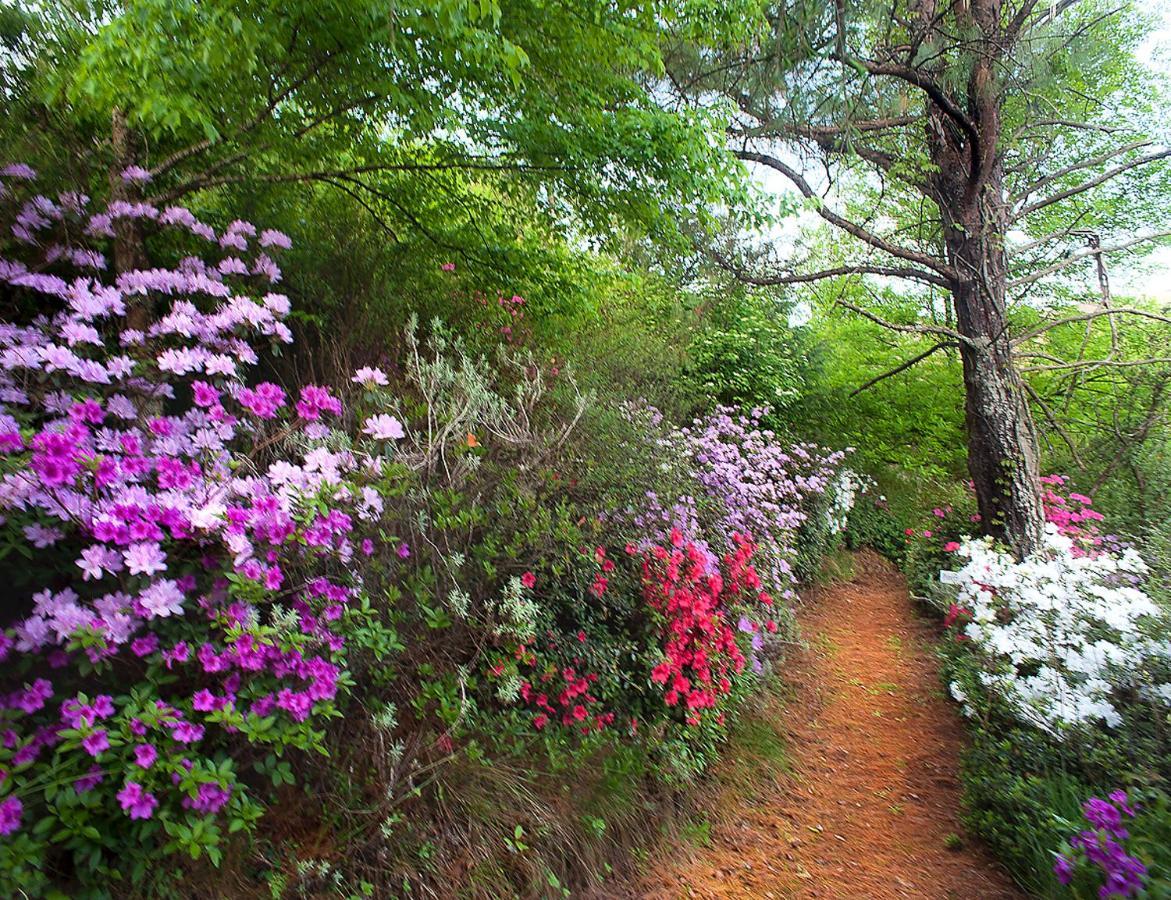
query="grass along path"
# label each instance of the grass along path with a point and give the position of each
(871, 806)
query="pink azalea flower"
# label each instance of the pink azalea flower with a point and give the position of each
(369, 376)
(384, 428)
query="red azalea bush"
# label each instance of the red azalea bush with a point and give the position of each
(695, 609)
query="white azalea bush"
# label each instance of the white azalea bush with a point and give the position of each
(1060, 641)
(842, 496)
(1062, 661)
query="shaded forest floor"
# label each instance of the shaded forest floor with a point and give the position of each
(870, 806)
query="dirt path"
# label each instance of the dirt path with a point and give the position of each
(872, 807)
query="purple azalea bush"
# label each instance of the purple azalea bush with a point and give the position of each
(1099, 853)
(761, 486)
(196, 564)
(747, 481)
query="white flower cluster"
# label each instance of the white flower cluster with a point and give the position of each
(1060, 635)
(844, 492)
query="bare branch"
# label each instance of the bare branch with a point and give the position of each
(1051, 13)
(1099, 364)
(1079, 255)
(1089, 185)
(1070, 123)
(361, 201)
(1093, 314)
(768, 280)
(1054, 424)
(902, 367)
(868, 237)
(817, 132)
(1098, 160)
(939, 330)
(1157, 410)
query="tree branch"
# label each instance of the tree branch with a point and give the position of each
(840, 271)
(939, 330)
(1074, 167)
(816, 132)
(1056, 425)
(902, 367)
(1099, 364)
(867, 237)
(1088, 185)
(1093, 314)
(328, 174)
(1078, 255)
(201, 146)
(929, 87)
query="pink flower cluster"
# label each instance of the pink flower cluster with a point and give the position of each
(1072, 513)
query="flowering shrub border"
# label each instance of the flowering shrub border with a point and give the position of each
(1059, 635)
(209, 576)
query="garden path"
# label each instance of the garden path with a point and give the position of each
(871, 807)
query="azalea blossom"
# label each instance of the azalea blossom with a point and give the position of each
(384, 428)
(136, 802)
(370, 376)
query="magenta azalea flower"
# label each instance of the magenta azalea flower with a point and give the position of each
(135, 802)
(10, 811)
(95, 743)
(145, 755)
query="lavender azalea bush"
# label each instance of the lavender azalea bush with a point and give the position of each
(200, 577)
(760, 485)
(747, 481)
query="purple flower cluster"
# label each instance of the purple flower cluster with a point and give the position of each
(127, 453)
(1102, 846)
(761, 485)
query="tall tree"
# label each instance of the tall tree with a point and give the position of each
(999, 143)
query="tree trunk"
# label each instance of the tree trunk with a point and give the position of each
(1003, 456)
(1002, 441)
(129, 239)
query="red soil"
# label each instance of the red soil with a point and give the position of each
(873, 803)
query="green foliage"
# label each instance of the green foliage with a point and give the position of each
(1018, 799)
(911, 422)
(370, 100)
(746, 354)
